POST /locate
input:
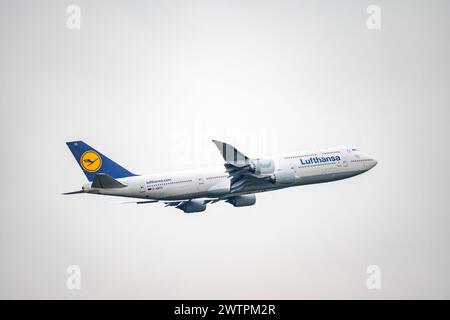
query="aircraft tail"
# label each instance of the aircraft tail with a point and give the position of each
(93, 162)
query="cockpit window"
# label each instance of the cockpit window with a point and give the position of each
(355, 150)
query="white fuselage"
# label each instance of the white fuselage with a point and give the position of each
(308, 167)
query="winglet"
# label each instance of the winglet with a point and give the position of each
(230, 153)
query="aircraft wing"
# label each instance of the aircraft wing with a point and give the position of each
(243, 176)
(176, 203)
(139, 202)
(240, 168)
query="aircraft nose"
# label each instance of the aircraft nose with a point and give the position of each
(372, 163)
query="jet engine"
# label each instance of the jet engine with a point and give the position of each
(284, 177)
(192, 206)
(242, 201)
(261, 166)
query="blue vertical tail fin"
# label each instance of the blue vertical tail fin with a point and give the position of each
(92, 161)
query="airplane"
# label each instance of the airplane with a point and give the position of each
(235, 182)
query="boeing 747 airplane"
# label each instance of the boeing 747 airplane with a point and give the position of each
(236, 182)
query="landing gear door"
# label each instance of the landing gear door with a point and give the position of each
(143, 187)
(200, 183)
(293, 167)
(345, 158)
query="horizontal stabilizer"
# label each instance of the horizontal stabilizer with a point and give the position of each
(73, 192)
(103, 181)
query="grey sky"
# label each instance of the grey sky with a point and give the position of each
(141, 76)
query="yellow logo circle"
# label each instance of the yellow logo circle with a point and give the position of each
(91, 161)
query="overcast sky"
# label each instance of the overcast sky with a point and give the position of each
(150, 83)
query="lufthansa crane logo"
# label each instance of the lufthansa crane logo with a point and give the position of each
(91, 161)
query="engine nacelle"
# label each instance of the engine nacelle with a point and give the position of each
(193, 206)
(242, 201)
(284, 177)
(261, 166)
